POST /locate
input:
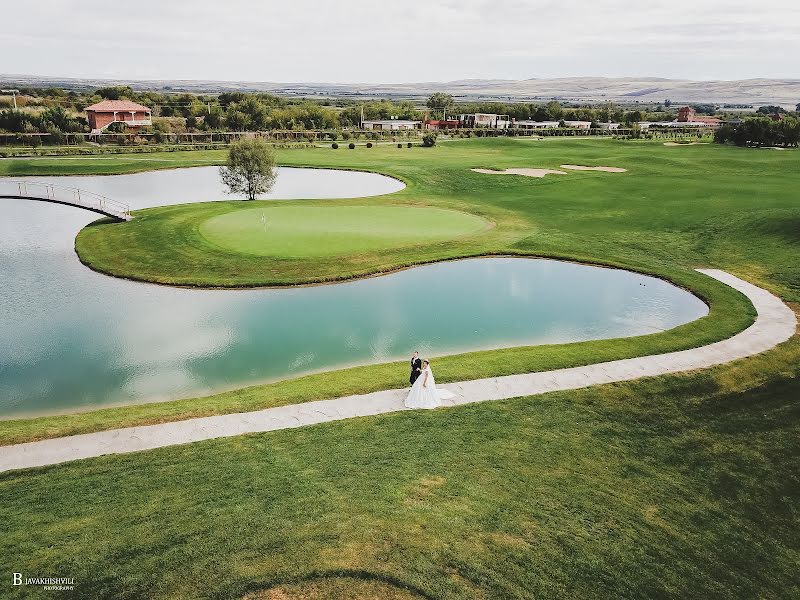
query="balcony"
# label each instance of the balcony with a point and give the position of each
(135, 122)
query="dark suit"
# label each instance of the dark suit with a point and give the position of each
(416, 369)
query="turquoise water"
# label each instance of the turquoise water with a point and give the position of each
(72, 339)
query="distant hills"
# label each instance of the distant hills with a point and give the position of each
(756, 92)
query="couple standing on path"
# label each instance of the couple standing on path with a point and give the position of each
(423, 392)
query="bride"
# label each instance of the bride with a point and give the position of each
(423, 393)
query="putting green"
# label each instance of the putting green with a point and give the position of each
(314, 231)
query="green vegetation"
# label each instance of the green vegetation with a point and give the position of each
(672, 487)
(675, 487)
(674, 210)
(312, 232)
(761, 131)
(182, 113)
(250, 168)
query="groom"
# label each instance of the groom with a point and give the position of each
(416, 367)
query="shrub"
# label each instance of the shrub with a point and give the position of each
(399, 145)
(429, 140)
(409, 144)
(369, 144)
(334, 145)
(351, 145)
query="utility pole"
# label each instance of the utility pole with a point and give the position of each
(13, 95)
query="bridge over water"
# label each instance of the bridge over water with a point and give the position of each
(69, 196)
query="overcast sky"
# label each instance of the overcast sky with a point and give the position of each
(386, 41)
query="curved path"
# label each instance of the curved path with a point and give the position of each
(774, 324)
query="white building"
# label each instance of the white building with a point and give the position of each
(389, 125)
(535, 124)
(579, 124)
(489, 120)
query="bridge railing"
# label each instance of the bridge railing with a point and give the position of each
(65, 194)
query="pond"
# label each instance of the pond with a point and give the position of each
(72, 339)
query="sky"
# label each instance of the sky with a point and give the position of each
(394, 41)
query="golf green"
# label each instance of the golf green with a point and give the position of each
(314, 231)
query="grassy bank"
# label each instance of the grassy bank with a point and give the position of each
(675, 209)
(674, 487)
(680, 486)
(730, 313)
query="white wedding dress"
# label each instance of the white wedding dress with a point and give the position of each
(424, 394)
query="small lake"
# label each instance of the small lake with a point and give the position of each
(72, 339)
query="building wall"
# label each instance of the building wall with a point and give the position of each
(99, 120)
(685, 114)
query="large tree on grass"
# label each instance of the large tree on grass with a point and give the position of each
(250, 168)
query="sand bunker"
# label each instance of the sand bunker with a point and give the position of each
(524, 172)
(686, 143)
(606, 169)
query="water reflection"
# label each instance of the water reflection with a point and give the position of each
(74, 339)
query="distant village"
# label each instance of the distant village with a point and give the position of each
(121, 115)
(687, 117)
(133, 115)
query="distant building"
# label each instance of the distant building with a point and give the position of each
(525, 124)
(688, 116)
(389, 125)
(489, 120)
(579, 124)
(442, 124)
(104, 113)
(609, 125)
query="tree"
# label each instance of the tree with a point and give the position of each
(554, 110)
(250, 168)
(440, 101)
(429, 139)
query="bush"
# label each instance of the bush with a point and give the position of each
(334, 145)
(351, 145)
(429, 140)
(399, 145)
(410, 144)
(369, 144)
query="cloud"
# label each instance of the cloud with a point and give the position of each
(398, 40)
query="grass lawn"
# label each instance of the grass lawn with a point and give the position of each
(316, 231)
(675, 487)
(672, 487)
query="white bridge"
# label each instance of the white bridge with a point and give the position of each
(59, 194)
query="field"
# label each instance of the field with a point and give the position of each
(306, 232)
(671, 487)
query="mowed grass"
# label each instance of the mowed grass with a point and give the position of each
(676, 487)
(672, 487)
(303, 231)
(675, 207)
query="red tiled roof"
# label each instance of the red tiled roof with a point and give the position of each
(117, 105)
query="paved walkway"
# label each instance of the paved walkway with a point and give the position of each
(775, 324)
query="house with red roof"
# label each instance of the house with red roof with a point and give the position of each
(103, 114)
(689, 116)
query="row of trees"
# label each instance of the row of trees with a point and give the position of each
(761, 131)
(55, 121)
(53, 110)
